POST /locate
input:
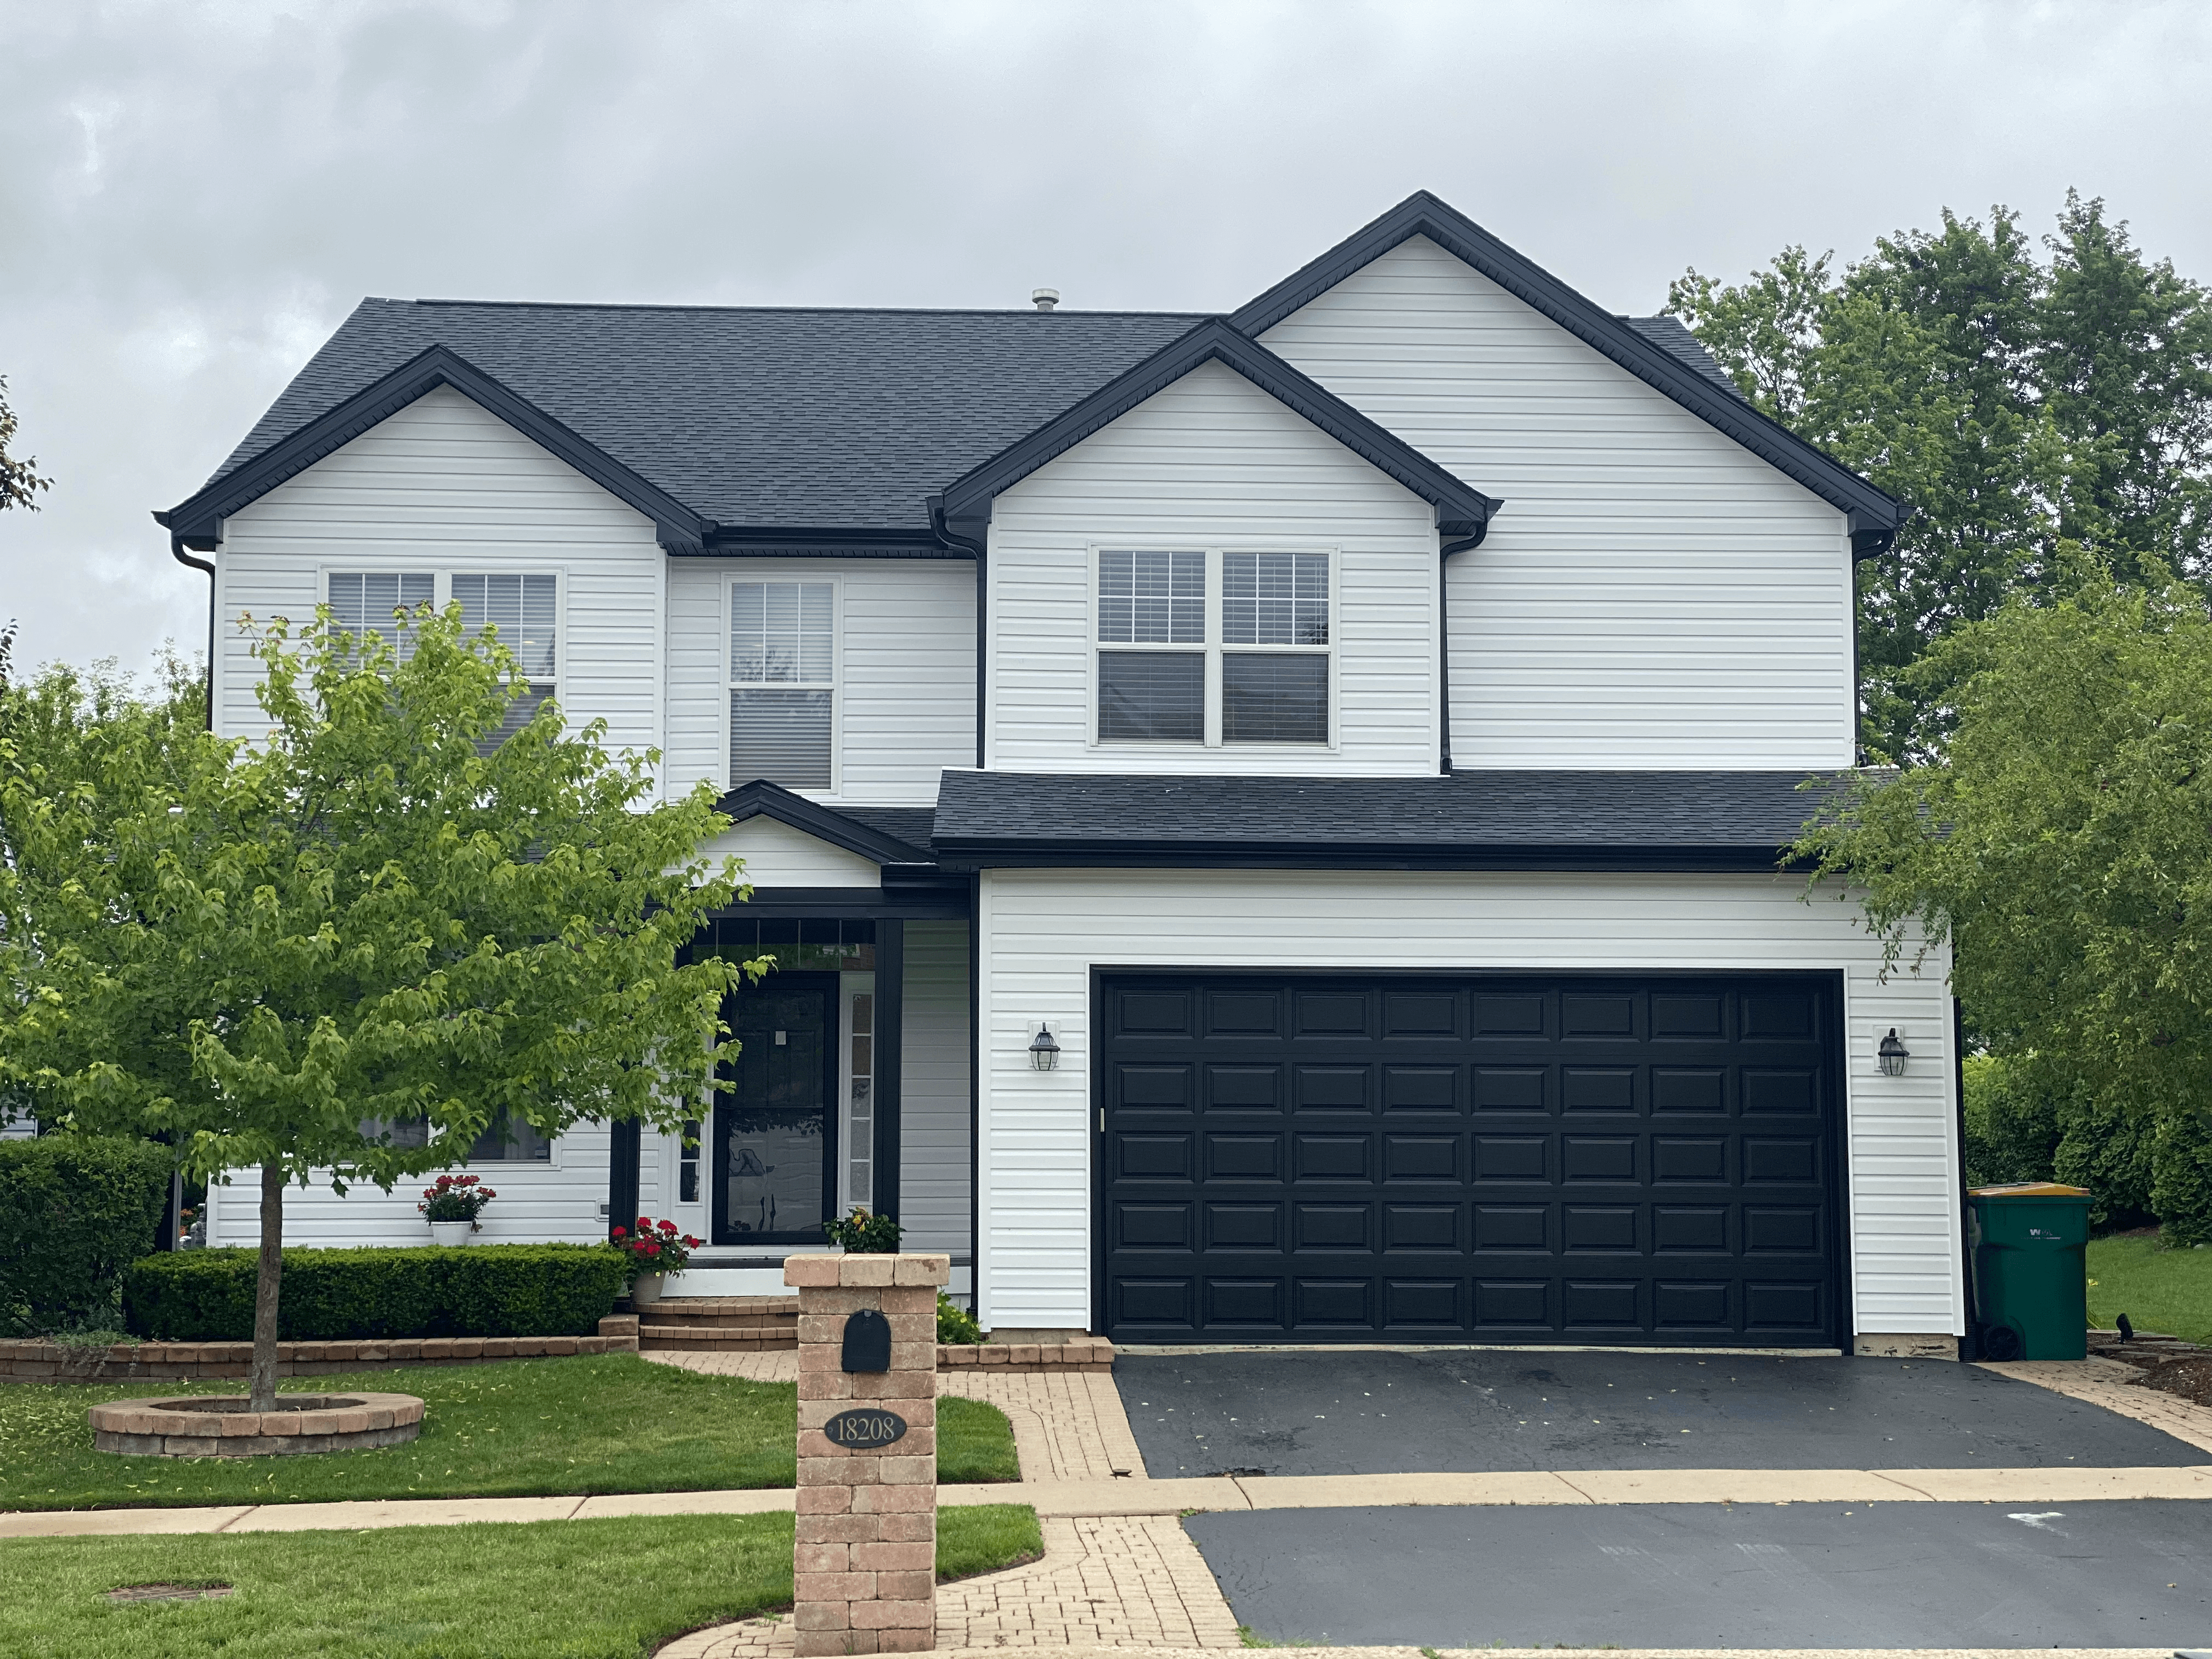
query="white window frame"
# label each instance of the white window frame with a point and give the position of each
(836, 688)
(442, 576)
(848, 987)
(1215, 647)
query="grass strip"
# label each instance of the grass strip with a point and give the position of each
(596, 1423)
(2159, 1290)
(549, 1589)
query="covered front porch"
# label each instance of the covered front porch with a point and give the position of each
(851, 1085)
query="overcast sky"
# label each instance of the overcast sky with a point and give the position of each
(192, 197)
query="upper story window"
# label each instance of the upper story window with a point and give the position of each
(1173, 667)
(524, 606)
(783, 662)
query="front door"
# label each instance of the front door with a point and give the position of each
(775, 1162)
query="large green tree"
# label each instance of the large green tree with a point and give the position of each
(19, 475)
(2021, 401)
(276, 953)
(2063, 845)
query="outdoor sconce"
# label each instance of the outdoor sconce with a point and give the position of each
(1044, 1049)
(1892, 1054)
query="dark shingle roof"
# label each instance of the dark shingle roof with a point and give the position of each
(755, 416)
(1671, 334)
(1743, 819)
(793, 418)
(910, 825)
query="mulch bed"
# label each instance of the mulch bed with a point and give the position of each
(2167, 1364)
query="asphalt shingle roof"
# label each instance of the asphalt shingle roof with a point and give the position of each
(755, 416)
(1753, 813)
(1671, 334)
(773, 417)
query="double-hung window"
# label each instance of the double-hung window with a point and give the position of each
(524, 606)
(783, 665)
(1174, 666)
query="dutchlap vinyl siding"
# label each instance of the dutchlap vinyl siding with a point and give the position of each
(1211, 461)
(1044, 930)
(906, 672)
(1652, 595)
(443, 484)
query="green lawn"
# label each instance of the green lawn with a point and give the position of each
(597, 1423)
(553, 1589)
(2169, 1290)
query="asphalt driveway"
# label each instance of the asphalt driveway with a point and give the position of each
(1470, 1411)
(2107, 1575)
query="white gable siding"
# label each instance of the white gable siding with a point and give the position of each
(1210, 461)
(933, 1094)
(1653, 594)
(906, 672)
(1044, 930)
(777, 856)
(443, 484)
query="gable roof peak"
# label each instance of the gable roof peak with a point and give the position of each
(1873, 515)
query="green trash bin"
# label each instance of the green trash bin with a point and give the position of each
(2031, 1277)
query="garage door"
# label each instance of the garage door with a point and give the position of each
(1482, 1158)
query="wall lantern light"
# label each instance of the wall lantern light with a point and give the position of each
(1892, 1054)
(1044, 1049)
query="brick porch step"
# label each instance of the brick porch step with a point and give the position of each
(732, 1324)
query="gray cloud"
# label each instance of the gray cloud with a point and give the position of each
(190, 197)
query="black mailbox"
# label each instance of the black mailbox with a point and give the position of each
(867, 1342)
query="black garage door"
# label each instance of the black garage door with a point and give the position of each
(1485, 1159)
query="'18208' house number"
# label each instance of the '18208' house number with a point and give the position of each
(872, 1428)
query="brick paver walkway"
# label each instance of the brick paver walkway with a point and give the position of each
(1105, 1581)
(2110, 1383)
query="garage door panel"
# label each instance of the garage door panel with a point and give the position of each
(1489, 1157)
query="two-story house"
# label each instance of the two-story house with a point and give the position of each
(1360, 729)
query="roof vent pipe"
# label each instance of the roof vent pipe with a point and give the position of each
(1045, 299)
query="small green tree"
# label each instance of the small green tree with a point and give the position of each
(2063, 846)
(379, 915)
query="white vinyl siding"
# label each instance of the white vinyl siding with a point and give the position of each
(933, 1094)
(777, 856)
(1653, 595)
(553, 1200)
(905, 699)
(443, 485)
(1044, 930)
(1211, 462)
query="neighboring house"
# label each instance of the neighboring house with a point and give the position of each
(1361, 727)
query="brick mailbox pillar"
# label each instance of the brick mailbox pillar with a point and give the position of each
(864, 1559)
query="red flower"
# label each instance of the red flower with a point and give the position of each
(691, 1243)
(643, 1222)
(621, 1232)
(652, 1248)
(668, 1226)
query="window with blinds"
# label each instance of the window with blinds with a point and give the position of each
(1151, 600)
(365, 602)
(782, 682)
(1169, 672)
(523, 610)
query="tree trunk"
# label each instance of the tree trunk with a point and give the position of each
(262, 1385)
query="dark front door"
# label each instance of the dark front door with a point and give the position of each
(775, 1154)
(1478, 1158)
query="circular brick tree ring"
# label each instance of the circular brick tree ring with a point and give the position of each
(208, 1426)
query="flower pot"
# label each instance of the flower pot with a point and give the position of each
(451, 1233)
(645, 1288)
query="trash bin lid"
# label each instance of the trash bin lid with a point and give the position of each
(2030, 1189)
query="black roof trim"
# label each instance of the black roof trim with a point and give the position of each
(1874, 515)
(198, 522)
(762, 799)
(823, 542)
(1462, 510)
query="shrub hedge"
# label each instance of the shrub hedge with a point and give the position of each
(75, 1211)
(343, 1296)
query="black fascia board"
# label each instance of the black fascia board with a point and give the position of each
(1874, 515)
(197, 522)
(1462, 510)
(824, 541)
(761, 798)
(975, 855)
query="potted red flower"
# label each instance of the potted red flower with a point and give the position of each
(654, 1250)
(451, 1205)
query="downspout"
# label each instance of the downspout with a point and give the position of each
(974, 549)
(177, 552)
(1443, 643)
